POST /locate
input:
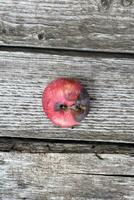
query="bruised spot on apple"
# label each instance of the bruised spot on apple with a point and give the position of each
(65, 102)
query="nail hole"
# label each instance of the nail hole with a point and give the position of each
(40, 36)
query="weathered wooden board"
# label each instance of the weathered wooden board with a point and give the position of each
(109, 81)
(65, 176)
(102, 25)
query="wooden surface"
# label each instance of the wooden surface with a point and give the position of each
(65, 176)
(98, 25)
(109, 81)
(92, 41)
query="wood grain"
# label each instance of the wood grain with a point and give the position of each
(109, 82)
(65, 176)
(98, 25)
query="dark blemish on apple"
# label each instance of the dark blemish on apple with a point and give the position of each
(82, 106)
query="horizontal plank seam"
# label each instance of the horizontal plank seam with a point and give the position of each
(33, 145)
(65, 141)
(96, 174)
(69, 52)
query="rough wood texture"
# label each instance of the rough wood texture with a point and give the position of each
(65, 176)
(103, 25)
(109, 81)
(62, 146)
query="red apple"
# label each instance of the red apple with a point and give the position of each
(65, 102)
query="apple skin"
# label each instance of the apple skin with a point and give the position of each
(65, 102)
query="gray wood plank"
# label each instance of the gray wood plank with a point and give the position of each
(102, 25)
(65, 176)
(109, 81)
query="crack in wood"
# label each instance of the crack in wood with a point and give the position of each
(99, 174)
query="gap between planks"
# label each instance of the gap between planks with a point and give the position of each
(67, 52)
(33, 145)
